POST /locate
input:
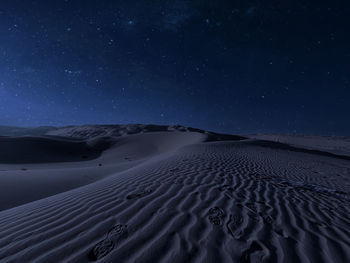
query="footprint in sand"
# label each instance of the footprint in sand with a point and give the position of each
(233, 224)
(268, 220)
(117, 232)
(255, 253)
(250, 212)
(104, 247)
(101, 249)
(216, 215)
(139, 194)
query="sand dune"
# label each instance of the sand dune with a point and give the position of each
(52, 165)
(21, 131)
(333, 144)
(186, 200)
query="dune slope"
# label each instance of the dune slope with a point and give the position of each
(38, 167)
(234, 201)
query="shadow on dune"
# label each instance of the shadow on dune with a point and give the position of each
(14, 150)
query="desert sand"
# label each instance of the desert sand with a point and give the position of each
(146, 193)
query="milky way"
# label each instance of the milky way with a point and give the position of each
(229, 66)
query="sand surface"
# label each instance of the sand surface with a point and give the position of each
(172, 197)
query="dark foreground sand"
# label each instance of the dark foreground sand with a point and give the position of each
(171, 197)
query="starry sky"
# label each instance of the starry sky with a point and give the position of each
(223, 65)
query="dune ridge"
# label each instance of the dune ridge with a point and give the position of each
(339, 145)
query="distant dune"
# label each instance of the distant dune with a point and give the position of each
(148, 193)
(21, 131)
(333, 144)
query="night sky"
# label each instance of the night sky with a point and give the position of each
(223, 65)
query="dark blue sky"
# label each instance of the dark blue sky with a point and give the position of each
(224, 65)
